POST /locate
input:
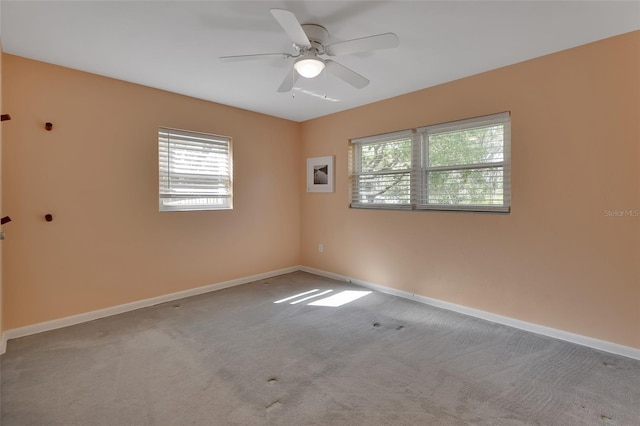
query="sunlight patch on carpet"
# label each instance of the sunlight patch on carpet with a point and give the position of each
(340, 299)
(311, 297)
(332, 301)
(296, 296)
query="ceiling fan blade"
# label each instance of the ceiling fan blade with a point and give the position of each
(344, 73)
(291, 26)
(289, 81)
(254, 56)
(364, 44)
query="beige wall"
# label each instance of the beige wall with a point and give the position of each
(1, 211)
(97, 174)
(557, 260)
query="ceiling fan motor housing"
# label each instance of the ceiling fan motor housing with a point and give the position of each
(317, 35)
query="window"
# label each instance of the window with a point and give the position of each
(382, 168)
(462, 165)
(465, 165)
(195, 171)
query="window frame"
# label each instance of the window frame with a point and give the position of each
(355, 152)
(503, 119)
(216, 182)
(420, 168)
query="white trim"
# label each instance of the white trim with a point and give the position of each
(451, 126)
(602, 345)
(590, 342)
(385, 137)
(119, 309)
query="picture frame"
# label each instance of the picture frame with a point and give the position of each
(320, 174)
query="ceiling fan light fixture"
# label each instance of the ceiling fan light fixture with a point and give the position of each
(309, 66)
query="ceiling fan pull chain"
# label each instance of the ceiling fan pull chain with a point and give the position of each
(325, 84)
(293, 82)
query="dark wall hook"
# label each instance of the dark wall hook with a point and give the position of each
(4, 220)
(48, 217)
(48, 126)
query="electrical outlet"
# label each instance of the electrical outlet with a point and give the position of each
(320, 248)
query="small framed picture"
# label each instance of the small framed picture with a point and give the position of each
(320, 174)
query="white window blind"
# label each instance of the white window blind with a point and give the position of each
(381, 171)
(195, 171)
(462, 165)
(465, 165)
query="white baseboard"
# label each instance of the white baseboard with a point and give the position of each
(119, 309)
(602, 345)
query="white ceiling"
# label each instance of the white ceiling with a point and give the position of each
(175, 45)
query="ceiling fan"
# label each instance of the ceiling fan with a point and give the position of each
(310, 44)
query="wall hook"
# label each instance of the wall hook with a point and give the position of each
(5, 117)
(48, 217)
(48, 126)
(4, 220)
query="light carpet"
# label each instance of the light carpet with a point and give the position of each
(234, 357)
